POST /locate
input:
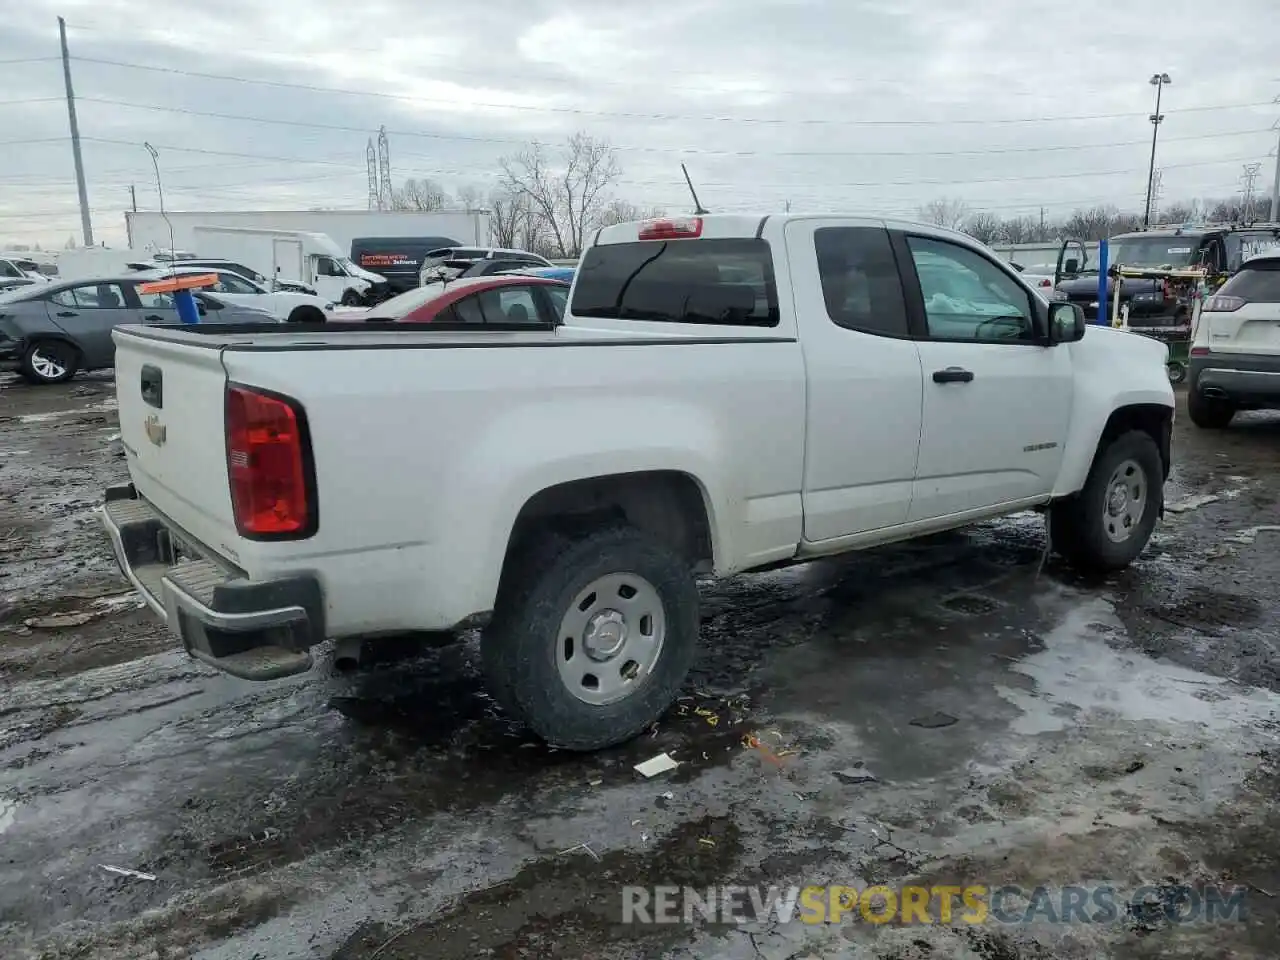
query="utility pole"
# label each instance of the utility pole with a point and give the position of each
(85, 225)
(133, 198)
(1275, 183)
(1158, 80)
(1040, 236)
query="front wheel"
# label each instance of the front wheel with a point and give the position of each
(591, 638)
(1108, 523)
(49, 361)
(351, 299)
(306, 315)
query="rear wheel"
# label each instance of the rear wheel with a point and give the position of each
(1108, 523)
(50, 361)
(1211, 413)
(306, 315)
(591, 638)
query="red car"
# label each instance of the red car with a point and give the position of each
(480, 300)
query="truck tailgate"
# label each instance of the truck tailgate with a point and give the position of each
(171, 399)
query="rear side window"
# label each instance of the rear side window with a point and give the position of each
(860, 281)
(1257, 282)
(728, 282)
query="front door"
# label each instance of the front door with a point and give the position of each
(87, 314)
(997, 399)
(863, 375)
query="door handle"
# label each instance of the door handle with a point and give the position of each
(153, 318)
(952, 375)
(68, 313)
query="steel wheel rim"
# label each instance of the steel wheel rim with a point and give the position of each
(1126, 501)
(611, 638)
(49, 367)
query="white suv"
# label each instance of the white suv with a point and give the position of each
(1235, 355)
(450, 262)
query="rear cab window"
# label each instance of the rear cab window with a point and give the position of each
(728, 282)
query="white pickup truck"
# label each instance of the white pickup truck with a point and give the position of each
(721, 394)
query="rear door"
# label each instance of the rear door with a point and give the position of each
(863, 373)
(1244, 315)
(87, 314)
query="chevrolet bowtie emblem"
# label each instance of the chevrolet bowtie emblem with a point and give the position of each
(155, 431)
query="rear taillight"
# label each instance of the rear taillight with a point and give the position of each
(671, 228)
(1199, 351)
(1222, 304)
(268, 464)
(1046, 282)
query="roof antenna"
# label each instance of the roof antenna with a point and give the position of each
(697, 206)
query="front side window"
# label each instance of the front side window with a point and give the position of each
(724, 282)
(7, 269)
(325, 267)
(860, 282)
(967, 297)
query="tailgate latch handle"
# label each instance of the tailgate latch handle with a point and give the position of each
(152, 386)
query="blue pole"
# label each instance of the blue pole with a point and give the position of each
(186, 305)
(1104, 311)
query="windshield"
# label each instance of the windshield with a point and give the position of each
(1152, 251)
(347, 266)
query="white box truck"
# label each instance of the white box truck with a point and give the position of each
(308, 258)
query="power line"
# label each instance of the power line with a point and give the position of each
(993, 151)
(5, 63)
(16, 103)
(287, 85)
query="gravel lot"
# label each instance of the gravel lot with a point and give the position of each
(951, 711)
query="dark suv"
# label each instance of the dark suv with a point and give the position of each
(1219, 248)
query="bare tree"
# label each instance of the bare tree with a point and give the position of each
(984, 227)
(566, 191)
(468, 196)
(1021, 230)
(945, 213)
(513, 224)
(623, 211)
(419, 195)
(1096, 223)
(1231, 208)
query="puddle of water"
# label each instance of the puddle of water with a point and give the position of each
(1079, 672)
(8, 813)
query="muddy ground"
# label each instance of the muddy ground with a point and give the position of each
(949, 712)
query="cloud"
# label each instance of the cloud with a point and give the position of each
(865, 107)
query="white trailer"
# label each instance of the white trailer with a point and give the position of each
(148, 230)
(309, 258)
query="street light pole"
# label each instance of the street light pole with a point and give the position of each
(1158, 80)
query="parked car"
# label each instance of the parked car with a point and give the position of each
(234, 288)
(213, 263)
(398, 259)
(48, 332)
(725, 393)
(1235, 356)
(491, 300)
(15, 283)
(1039, 275)
(563, 274)
(11, 269)
(451, 262)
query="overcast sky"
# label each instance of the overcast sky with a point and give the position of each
(856, 105)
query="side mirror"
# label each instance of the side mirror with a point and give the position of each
(1072, 266)
(1066, 322)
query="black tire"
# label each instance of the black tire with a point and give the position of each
(1177, 371)
(521, 643)
(1209, 413)
(351, 299)
(306, 315)
(35, 366)
(1078, 525)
